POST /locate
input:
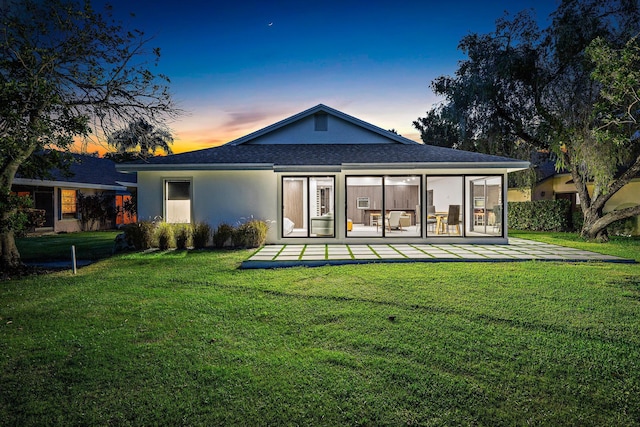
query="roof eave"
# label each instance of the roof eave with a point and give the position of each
(193, 166)
(508, 166)
(69, 184)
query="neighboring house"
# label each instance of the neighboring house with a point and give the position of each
(58, 196)
(552, 185)
(322, 176)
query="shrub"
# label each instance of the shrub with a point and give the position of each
(95, 210)
(201, 235)
(622, 227)
(183, 234)
(25, 217)
(577, 220)
(540, 215)
(141, 235)
(166, 238)
(251, 234)
(30, 219)
(222, 234)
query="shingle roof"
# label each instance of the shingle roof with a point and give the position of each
(392, 151)
(93, 171)
(323, 155)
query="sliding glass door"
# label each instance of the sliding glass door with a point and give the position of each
(308, 206)
(387, 206)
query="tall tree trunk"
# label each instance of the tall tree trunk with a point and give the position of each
(9, 255)
(592, 227)
(596, 223)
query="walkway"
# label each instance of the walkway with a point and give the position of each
(273, 256)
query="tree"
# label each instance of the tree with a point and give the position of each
(618, 115)
(141, 136)
(67, 71)
(524, 89)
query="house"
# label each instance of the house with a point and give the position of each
(322, 176)
(59, 195)
(558, 185)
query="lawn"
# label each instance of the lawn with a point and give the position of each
(185, 338)
(90, 245)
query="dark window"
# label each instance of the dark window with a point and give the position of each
(178, 190)
(321, 122)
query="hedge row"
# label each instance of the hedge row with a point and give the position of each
(148, 234)
(541, 215)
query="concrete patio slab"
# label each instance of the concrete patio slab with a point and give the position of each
(275, 256)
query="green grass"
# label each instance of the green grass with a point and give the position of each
(185, 338)
(625, 247)
(91, 245)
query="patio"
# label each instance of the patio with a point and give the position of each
(275, 256)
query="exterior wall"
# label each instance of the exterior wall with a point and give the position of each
(338, 132)
(518, 195)
(58, 225)
(230, 196)
(216, 196)
(73, 225)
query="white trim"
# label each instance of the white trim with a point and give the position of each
(195, 167)
(453, 166)
(508, 166)
(165, 182)
(69, 185)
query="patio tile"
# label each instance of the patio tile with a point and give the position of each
(517, 249)
(287, 257)
(312, 257)
(262, 257)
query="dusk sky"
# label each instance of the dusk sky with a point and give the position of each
(238, 66)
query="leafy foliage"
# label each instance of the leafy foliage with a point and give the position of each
(184, 235)
(222, 235)
(165, 236)
(67, 71)
(201, 235)
(141, 235)
(95, 209)
(143, 136)
(540, 215)
(524, 89)
(251, 234)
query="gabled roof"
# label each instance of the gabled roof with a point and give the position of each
(321, 108)
(387, 151)
(86, 172)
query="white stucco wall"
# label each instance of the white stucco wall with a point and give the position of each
(229, 196)
(217, 196)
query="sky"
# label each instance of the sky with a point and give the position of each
(238, 66)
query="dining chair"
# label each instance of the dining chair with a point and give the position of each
(452, 219)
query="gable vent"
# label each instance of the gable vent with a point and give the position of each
(321, 121)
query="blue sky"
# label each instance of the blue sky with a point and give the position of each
(239, 66)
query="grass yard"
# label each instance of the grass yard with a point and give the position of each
(90, 245)
(185, 338)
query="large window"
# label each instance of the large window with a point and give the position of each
(383, 206)
(484, 206)
(177, 201)
(444, 213)
(68, 204)
(308, 206)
